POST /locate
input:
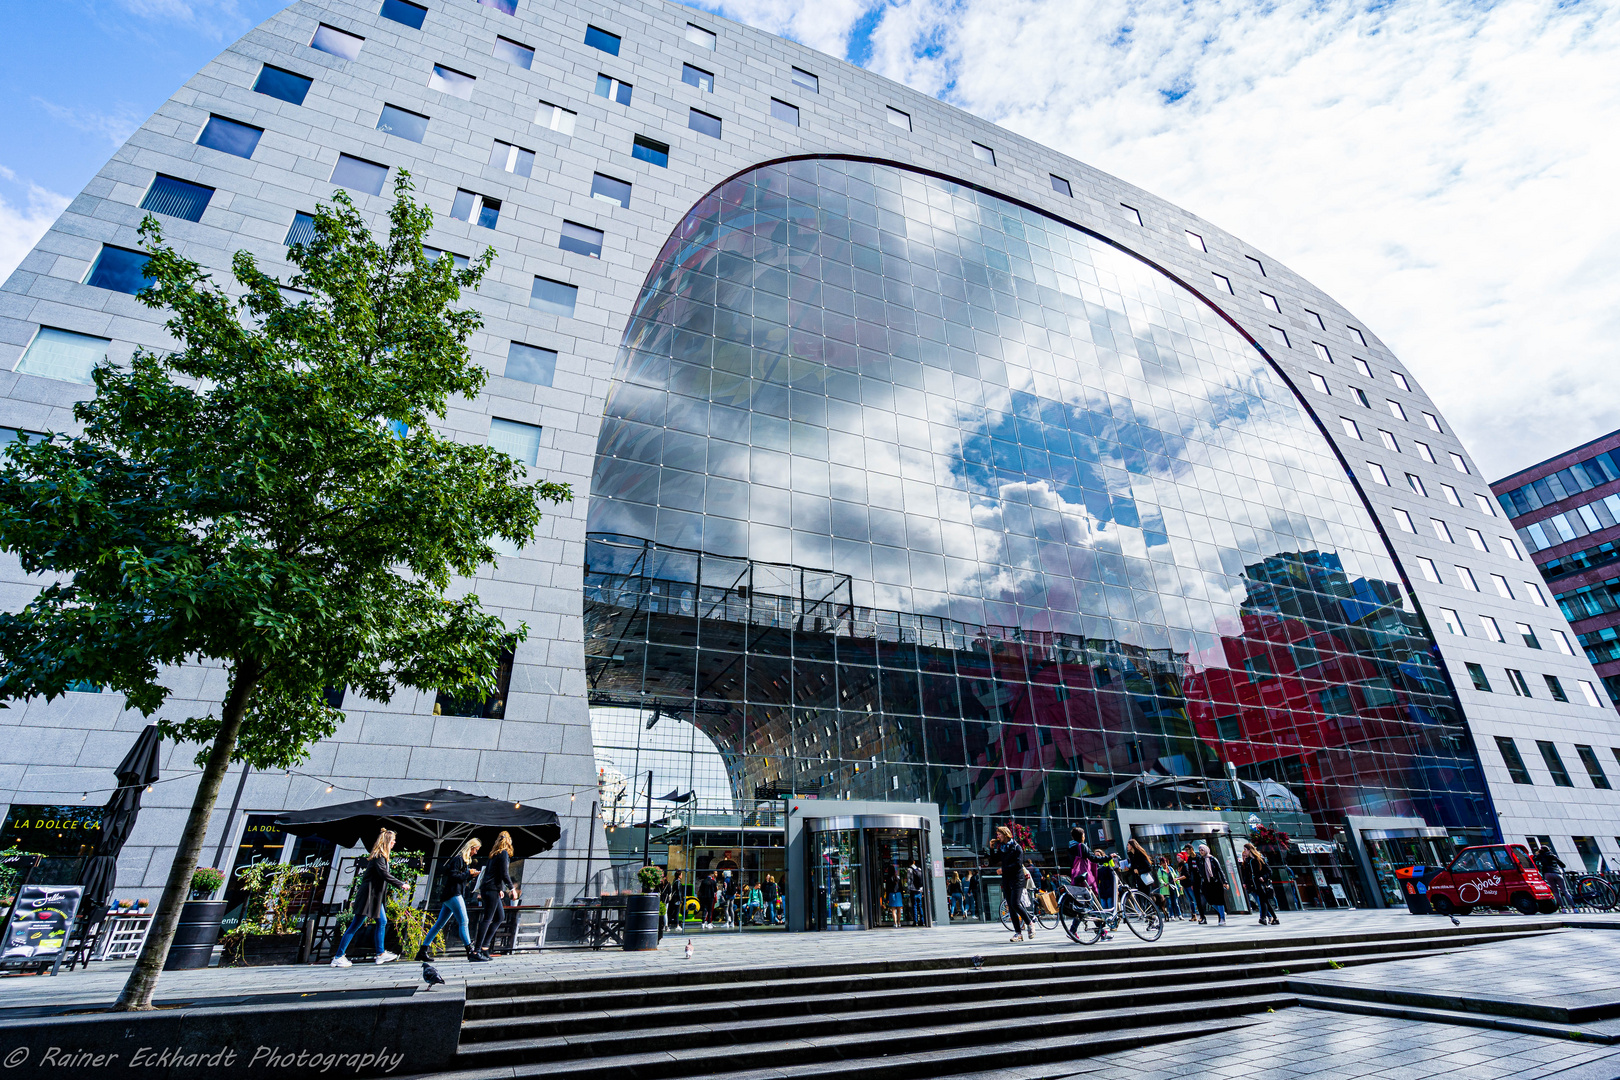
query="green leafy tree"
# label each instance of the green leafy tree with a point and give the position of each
(270, 497)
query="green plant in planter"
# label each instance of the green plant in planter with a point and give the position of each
(8, 876)
(272, 901)
(205, 882)
(651, 877)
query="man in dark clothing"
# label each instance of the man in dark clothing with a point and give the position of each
(915, 880)
(1552, 868)
(705, 897)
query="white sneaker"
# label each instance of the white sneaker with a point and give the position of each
(386, 957)
(342, 961)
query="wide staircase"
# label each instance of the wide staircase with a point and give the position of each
(1029, 1010)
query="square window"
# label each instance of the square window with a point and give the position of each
(1466, 577)
(1556, 688)
(1361, 396)
(610, 190)
(1430, 571)
(1405, 520)
(1510, 547)
(1453, 621)
(598, 38)
(402, 11)
(402, 122)
(1516, 680)
(581, 240)
(806, 80)
(514, 52)
(1222, 282)
(1510, 757)
(1594, 768)
(555, 118)
(1441, 531)
(1457, 461)
(899, 119)
(613, 89)
(1133, 215)
(358, 174)
(229, 136)
(476, 209)
(177, 198)
(1451, 495)
(1377, 472)
(1424, 452)
(1395, 409)
(512, 159)
(1361, 366)
(119, 270)
(703, 39)
(1428, 418)
(1555, 764)
(1528, 633)
(650, 150)
(457, 262)
(703, 123)
(1589, 692)
(302, 230)
(1476, 538)
(1259, 267)
(450, 81)
(505, 7)
(1322, 353)
(1280, 336)
(554, 297)
(1318, 320)
(1561, 640)
(1358, 335)
(63, 355)
(1389, 441)
(696, 76)
(1534, 592)
(1493, 632)
(340, 43)
(522, 441)
(983, 153)
(1061, 186)
(1477, 673)
(1415, 482)
(525, 363)
(781, 110)
(1502, 588)
(1485, 506)
(1270, 302)
(1400, 381)
(1350, 427)
(1195, 241)
(283, 85)
(1320, 384)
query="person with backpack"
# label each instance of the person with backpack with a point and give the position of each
(1257, 883)
(368, 901)
(454, 877)
(915, 882)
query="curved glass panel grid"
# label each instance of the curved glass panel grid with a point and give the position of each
(904, 491)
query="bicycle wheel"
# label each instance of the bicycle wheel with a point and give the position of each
(1077, 922)
(1592, 892)
(1006, 916)
(1141, 915)
(1047, 919)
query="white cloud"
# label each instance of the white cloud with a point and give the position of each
(22, 226)
(1438, 167)
(215, 18)
(115, 127)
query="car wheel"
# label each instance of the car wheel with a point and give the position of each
(1525, 903)
(1547, 907)
(1442, 905)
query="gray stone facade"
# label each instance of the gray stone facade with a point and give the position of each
(542, 750)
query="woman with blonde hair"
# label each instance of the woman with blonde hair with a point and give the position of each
(454, 876)
(493, 887)
(368, 901)
(1012, 882)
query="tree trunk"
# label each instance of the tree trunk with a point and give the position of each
(137, 993)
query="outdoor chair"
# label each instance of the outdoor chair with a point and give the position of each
(529, 930)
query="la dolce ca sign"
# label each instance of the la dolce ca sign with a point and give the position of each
(52, 830)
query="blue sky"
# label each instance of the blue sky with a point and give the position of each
(1444, 168)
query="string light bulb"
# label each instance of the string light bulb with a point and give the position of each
(570, 796)
(329, 789)
(379, 802)
(429, 806)
(149, 789)
(517, 806)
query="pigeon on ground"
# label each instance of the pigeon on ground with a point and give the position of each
(689, 949)
(430, 975)
(978, 962)
(1455, 921)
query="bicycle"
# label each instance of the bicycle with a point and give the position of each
(1032, 906)
(1084, 919)
(1590, 891)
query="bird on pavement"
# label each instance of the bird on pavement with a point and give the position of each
(1455, 921)
(430, 975)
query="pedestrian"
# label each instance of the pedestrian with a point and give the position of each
(1169, 903)
(893, 897)
(1012, 883)
(953, 895)
(772, 895)
(1082, 871)
(1189, 886)
(1257, 883)
(368, 901)
(669, 900)
(970, 895)
(706, 890)
(493, 885)
(1212, 882)
(1551, 868)
(1141, 867)
(454, 876)
(915, 881)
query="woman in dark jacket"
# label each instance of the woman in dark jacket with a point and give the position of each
(368, 901)
(1210, 878)
(1257, 883)
(493, 886)
(1141, 867)
(453, 878)
(1012, 883)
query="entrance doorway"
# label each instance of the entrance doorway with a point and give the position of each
(1390, 849)
(857, 867)
(1171, 838)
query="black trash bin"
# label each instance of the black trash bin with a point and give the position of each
(640, 922)
(1415, 889)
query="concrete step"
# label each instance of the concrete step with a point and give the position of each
(1460, 1017)
(1480, 1002)
(990, 1040)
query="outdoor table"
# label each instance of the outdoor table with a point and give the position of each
(604, 921)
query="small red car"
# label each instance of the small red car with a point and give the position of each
(1497, 876)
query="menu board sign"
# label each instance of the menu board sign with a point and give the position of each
(39, 924)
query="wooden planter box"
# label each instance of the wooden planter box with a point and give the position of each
(263, 950)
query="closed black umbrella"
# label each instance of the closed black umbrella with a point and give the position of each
(136, 772)
(429, 819)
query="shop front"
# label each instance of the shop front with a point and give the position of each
(1384, 845)
(1173, 838)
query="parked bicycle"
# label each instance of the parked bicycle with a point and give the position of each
(1589, 891)
(1032, 904)
(1084, 918)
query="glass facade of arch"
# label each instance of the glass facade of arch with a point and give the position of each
(906, 492)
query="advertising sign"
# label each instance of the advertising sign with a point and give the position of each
(39, 924)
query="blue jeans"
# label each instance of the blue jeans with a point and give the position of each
(456, 908)
(354, 928)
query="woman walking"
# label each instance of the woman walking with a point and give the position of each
(1257, 883)
(1142, 876)
(891, 890)
(368, 901)
(453, 878)
(1210, 877)
(1012, 883)
(1169, 888)
(493, 885)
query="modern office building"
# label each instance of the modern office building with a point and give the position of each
(915, 463)
(1567, 512)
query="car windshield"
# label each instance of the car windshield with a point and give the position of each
(1470, 861)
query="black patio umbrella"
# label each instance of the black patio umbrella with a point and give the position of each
(429, 819)
(138, 770)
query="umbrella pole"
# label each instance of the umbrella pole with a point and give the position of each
(590, 843)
